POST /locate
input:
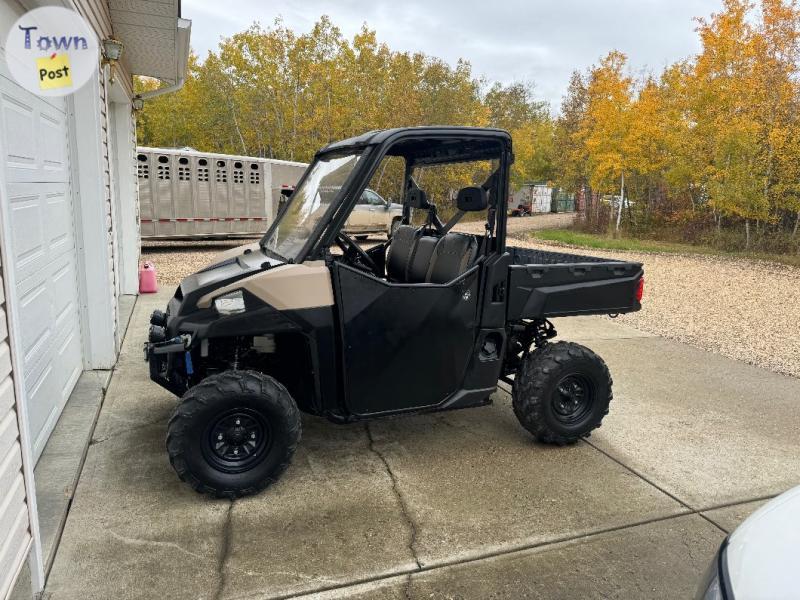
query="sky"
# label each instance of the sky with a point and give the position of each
(505, 40)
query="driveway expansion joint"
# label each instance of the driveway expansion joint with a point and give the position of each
(412, 526)
(693, 510)
(224, 551)
(483, 556)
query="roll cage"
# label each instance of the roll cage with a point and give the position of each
(419, 146)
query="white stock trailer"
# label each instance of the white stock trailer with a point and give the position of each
(184, 193)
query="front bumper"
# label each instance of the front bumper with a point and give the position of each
(169, 360)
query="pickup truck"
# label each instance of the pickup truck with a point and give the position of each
(373, 214)
(429, 320)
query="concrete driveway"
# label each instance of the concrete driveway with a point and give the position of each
(452, 505)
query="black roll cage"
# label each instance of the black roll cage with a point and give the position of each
(374, 146)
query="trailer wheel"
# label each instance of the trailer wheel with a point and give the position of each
(561, 393)
(233, 434)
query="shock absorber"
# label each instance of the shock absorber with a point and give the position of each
(235, 362)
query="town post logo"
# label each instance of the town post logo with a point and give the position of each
(52, 51)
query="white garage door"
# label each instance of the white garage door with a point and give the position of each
(42, 251)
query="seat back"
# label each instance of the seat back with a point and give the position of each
(400, 252)
(421, 258)
(453, 255)
(414, 257)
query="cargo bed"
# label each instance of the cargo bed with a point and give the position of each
(545, 284)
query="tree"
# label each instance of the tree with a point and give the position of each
(717, 134)
(777, 52)
(606, 123)
(723, 106)
(569, 152)
(515, 109)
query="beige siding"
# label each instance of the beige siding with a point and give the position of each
(98, 15)
(15, 537)
(135, 178)
(107, 198)
(129, 155)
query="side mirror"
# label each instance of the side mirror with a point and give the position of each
(417, 198)
(472, 199)
(387, 204)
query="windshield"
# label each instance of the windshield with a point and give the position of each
(309, 204)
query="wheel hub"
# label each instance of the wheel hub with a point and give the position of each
(573, 398)
(237, 439)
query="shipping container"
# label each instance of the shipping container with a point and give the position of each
(531, 198)
(539, 198)
(184, 193)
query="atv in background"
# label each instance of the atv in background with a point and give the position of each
(429, 320)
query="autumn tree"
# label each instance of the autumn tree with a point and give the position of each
(514, 108)
(712, 139)
(569, 153)
(271, 92)
(777, 105)
(606, 124)
(715, 134)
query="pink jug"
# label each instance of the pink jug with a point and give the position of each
(147, 278)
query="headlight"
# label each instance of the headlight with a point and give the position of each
(230, 304)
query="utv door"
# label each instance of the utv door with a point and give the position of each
(404, 346)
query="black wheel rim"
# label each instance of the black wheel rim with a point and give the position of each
(237, 440)
(573, 399)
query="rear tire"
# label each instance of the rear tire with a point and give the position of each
(561, 393)
(233, 434)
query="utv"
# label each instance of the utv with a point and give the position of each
(307, 320)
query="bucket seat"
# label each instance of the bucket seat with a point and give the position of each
(414, 257)
(432, 254)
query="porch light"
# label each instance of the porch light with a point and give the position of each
(112, 50)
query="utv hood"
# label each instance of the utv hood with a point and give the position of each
(219, 274)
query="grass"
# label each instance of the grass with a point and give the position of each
(604, 242)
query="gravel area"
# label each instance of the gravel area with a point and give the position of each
(744, 309)
(516, 225)
(175, 260)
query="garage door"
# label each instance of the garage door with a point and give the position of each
(42, 251)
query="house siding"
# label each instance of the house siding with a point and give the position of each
(15, 536)
(108, 199)
(15, 531)
(94, 177)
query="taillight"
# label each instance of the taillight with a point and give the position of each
(640, 290)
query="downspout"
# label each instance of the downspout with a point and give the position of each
(182, 34)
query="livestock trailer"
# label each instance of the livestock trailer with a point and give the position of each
(184, 193)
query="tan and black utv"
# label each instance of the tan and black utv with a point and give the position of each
(307, 320)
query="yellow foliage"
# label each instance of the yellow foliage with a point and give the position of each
(270, 92)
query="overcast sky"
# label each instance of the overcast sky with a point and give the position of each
(505, 40)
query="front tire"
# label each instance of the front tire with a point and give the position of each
(561, 392)
(233, 434)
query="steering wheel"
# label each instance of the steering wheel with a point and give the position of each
(354, 253)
